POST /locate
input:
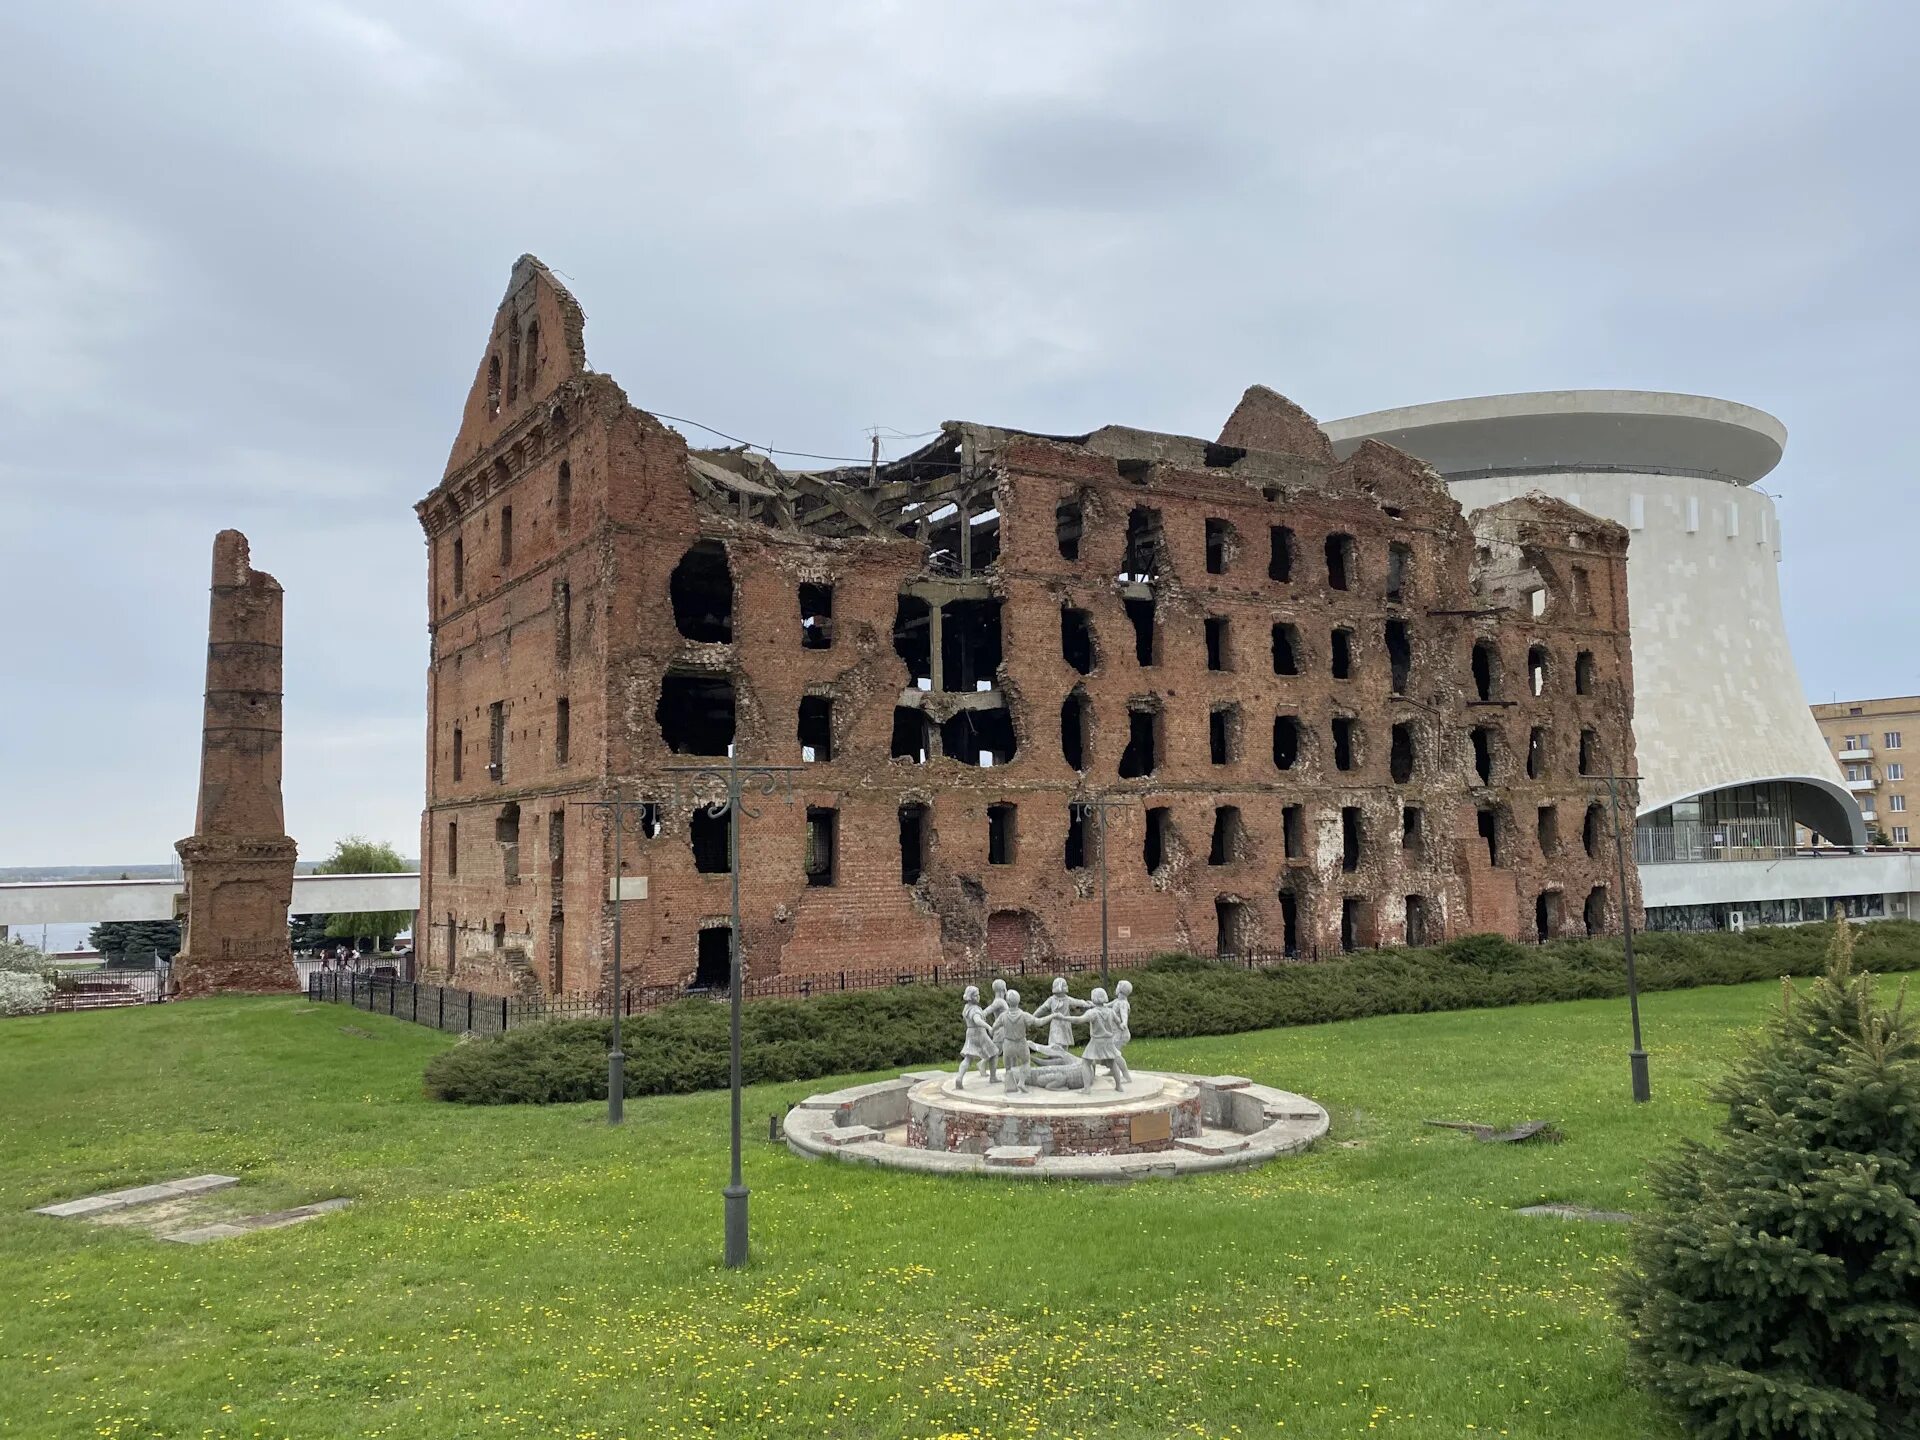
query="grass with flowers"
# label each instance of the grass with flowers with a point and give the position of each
(526, 1271)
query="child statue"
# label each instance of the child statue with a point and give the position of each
(1058, 1009)
(979, 1045)
(1123, 1010)
(1010, 1026)
(1103, 1039)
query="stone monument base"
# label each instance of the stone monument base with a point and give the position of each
(1144, 1116)
(197, 975)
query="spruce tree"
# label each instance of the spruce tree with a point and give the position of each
(1775, 1285)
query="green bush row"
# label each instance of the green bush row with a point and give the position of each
(684, 1047)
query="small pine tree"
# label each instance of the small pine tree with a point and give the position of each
(1775, 1286)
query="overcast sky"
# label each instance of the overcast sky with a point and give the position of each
(249, 254)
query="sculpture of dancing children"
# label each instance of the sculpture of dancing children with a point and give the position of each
(1058, 1009)
(980, 1044)
(1103, 1039)
(1123, 1010)
(1010, 1027)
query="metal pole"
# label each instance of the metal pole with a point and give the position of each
(736, 1192)
(1103, 890)
(1636, 1057)
(616, 1058)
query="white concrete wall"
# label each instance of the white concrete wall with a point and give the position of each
(1717, 700)
(1729, 882)
(89, 902)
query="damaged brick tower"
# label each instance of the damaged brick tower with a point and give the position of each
(239, 860)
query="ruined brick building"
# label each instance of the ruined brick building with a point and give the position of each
(1330, 712)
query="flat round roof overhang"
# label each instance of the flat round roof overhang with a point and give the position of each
(1639, 431)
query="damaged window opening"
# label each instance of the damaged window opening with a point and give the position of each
(1536, 753)
(1589, 753)
(979, 737)
(1594, 912)
(970, 652)
(1399, 567)
(1399, 656)
(1217, 643)
(1286, 650)
(1069, 523)
(1280, 553)
(913, 843)
(506, 536)
(493, 386)
(1293, 832)
(563, 497)
(1483, 754)
(816, 617)
(823, 831)
(816, 728)
(459, 751)
(696, 713)
(1076, 639)
(1219, 546)
(701, 588)
(1486, 670)
(1400, 753)
(453, 847)
(530, 356)
(497, 741)
(912, 735)
(1412, 820)
(1583, 673)
(1352, 923)
(1546, 914)
(1137, 472)
(1489, 821)
(1223, 734)
(650, 820)
(562, 623)
(1289, 923)
(1340, 653)
(983, 542)
(1145, 639)
(1349, 838)
(1229, 926)
(1593, 831)
(1547, 830)
(943, 540)
(1339, 561)
(713, 961)
(1075, 711)
(1074, 853)
(506, 830)
(1416, 922)
(513, 365)
(1144, 539)
(1154, 841)
(1222, 457)
(1286, 741)
(912, 631)
(1582, 592)
(1141, 757)
(1346, 737)
(459, 566)
(709, 834)
(1000, 834)
(1537, 670)
(562, 730)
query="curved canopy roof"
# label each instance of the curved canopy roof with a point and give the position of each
(1643, 431)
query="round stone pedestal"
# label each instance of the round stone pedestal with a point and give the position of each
(1146, 1115)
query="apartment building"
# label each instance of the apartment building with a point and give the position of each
(1868, 740)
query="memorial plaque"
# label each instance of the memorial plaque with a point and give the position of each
(1152, 1126)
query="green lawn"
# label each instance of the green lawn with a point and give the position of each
(521, 1271)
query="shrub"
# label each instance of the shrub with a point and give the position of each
(22, 994)
(1775, 1289)
(684, 1047)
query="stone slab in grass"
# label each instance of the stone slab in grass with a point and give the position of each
(140, 1195)
(1576, 1212)
(248, 1224)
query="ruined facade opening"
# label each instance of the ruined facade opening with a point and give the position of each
(1350, 837)
(1400, 753)
(1145, 638)
(1399, 656)
(1536, 753)
(1156, 839)
(1593, 831)
(1482, 739)
(1286, 650)
(1489, 821)
(1076, 639)
(1589, 752)
(913, 843)
(1354, 928)
(1223, 734)
(1142, 755)
(1286, 741)
(701, 589)
(1218, 656)
(1416, 920)
(1546, 914)
(562, 730)
(983, 543)
(1230, 926)
(1399, 569)
(1145, 540)
(1076, 712)
(650, 822)
(1346, 742)
(1339, 561)
(713, 961)
(979, 737)
(1279, 553)
(696, 712)
(1340, 654)
(1293, 832)
(970, 652)
(493, 387)
(562, 624)
(1074, 853)
(912, 735)
(458, 752)
(709, 835)
(1583, 673)
(453, 847)
(1582, 591)
(1594, 912)
(1289, 923)
(497, 741)
(459, 566)
(1547, 830)
(556, 852)
(563, 497)
(823, 844)
(1486, 671)
(913, 638)
(1537, 670)
(816, 728)
(1001, 834)
(506, 538)
(1220, 545)
(816, 617)
(506, 831)
(1069, 523)
(1229, 837)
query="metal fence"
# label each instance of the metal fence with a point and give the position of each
(107, 986)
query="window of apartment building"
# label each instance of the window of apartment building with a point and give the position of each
(1000, 834)
(1217, 656)
(816, 617)
(1896, 802)
(562, 730)
(1219, 545)
(1280, 556)
(1899, 834)
(497, 740)
(1896, 771)
(1892, 738)
(823, 826)
(1856, 772)
(816, 728)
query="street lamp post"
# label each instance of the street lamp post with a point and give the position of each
(1636, 1057)
(771, 779)
(1098, 807)
(616, 809)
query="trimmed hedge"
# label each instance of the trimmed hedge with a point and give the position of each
(684, 1047)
